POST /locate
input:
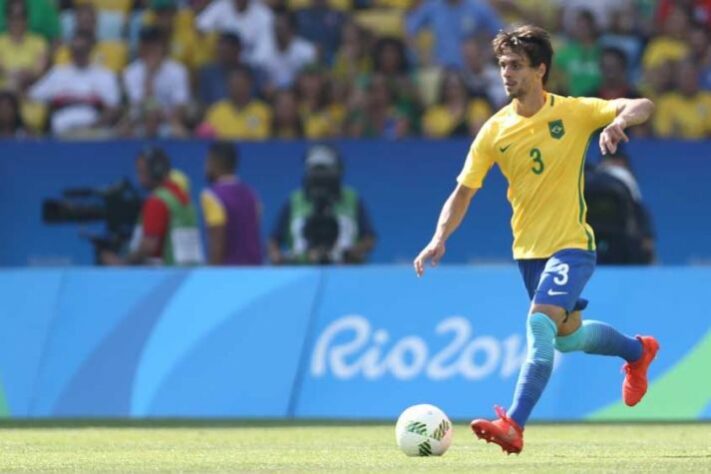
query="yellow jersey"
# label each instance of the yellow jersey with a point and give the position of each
(542, 157)
(251, 122)
(683, 117)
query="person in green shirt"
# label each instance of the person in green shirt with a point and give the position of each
(578, 61)
(43, 17)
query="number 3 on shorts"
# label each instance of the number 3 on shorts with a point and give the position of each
(562, 271)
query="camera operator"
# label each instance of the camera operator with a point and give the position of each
(324, 221)
(622, 223)
(167, 230)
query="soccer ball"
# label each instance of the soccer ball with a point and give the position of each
(423, 430)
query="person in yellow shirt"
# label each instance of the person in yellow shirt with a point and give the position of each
(455, 114)
(186, 45)
(671, 45)
(113, 55)
(539, 142)
(240, 116)
(686, 111)
(23, 55)
(321, 116)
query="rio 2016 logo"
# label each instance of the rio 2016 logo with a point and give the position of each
(349, 347)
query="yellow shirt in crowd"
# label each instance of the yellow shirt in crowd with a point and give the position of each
(438, 122)
(112, 55)
(28, 54)
(683, 117)
(252, 122)
(663, 49)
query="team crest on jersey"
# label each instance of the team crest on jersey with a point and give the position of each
(556, 128)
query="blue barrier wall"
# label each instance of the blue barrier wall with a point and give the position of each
(329, 343)
(403, 183)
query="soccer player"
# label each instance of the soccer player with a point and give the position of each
(539, 142)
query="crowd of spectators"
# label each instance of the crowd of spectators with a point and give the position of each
(317, 69)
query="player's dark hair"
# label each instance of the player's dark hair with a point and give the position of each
(527, 40)
(225, 154)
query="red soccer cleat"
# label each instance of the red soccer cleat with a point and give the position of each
(635, 385)
(505, 432)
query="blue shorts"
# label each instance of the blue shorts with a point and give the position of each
(560, 279)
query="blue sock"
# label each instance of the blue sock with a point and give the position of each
(596, 337)
(536, 370)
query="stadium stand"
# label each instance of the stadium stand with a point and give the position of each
(664, 47)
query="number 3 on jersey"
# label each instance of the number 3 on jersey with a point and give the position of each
(538, 165)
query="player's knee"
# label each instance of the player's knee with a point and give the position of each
(556, 313)
(542, 330)
(565, 344)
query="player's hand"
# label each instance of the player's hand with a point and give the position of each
(433, 252)
(612, 135)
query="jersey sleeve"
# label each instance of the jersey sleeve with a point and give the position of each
(596, 112)
(212, 209)
(479, 160)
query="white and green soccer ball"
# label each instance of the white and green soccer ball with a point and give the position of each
(423, 430)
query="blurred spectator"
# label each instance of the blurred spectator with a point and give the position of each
(157, 89)
(182, 41)
(324, 221)
(353, 60)
(671, 45)
(83, 98)
(42, 17)
(110, 54)
(376, 114)
(106, 24)
(577, 63)
(212, 78)
(685, 112)
(455, 114)
(452, 21)
(11, 123)
(700, 44)
(23, 55)
(626, 33)
(322, 25)
(250, 19)
(543, 13)
(283, 55)
(177, 18)
(286, 122)
(390, 62)
(167, 232)
(321, 116)
(601, 10)
(239, 116)
(481, 76)
(700, 10)
(614, 85)
(231, 210)
(623, 226)
(659, 81)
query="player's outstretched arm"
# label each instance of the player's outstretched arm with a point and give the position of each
(451, 216)
(629, 112)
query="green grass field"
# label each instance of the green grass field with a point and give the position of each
(348, 448)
